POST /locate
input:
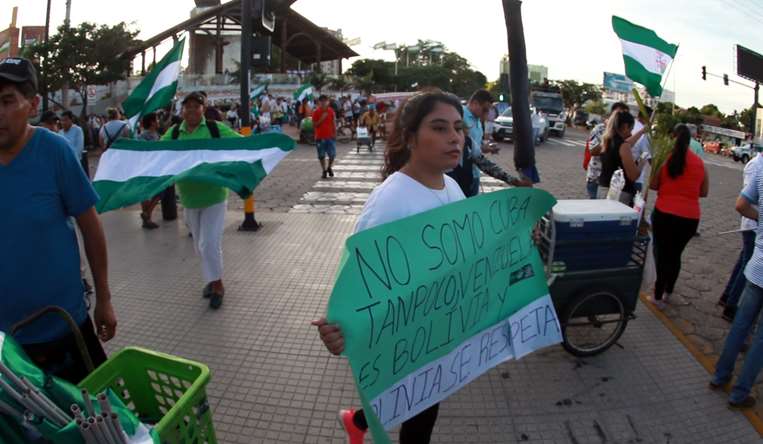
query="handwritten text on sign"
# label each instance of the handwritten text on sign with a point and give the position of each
(430, 302)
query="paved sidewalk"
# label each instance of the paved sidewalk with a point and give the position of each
(273, 381)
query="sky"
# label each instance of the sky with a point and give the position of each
(574, 39)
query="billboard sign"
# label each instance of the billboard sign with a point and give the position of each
(32, 35)
(617, 83)
(749, 64)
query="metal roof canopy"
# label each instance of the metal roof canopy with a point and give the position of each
(302, 38)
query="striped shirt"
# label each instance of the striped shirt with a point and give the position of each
(753, 192)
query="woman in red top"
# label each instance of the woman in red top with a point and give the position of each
(679, 185)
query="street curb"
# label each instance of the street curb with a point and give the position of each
(706, 361)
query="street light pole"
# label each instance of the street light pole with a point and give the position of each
(246, 59)
(43, 62)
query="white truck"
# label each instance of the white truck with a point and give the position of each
(550, 103)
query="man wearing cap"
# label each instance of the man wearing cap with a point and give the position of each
(204, 204)
(44, 186)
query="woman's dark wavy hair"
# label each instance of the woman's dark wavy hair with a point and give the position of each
(407, 121)
(677, 161)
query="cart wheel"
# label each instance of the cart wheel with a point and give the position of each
(592, 322)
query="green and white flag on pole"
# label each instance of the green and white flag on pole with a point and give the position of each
(158, 87)
(132, 171)
(258, 91)
(304, 92)
(646, 55)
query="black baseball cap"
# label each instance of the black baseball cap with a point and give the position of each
(197, 96)
(18, 70)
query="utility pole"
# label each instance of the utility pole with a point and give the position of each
(67, 25)
(524, 145)
(44, 62)
(246, 59)
(755, 110)
(67, 20)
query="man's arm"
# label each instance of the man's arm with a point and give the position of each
(745, 208)
(95, 249)
(493, 170)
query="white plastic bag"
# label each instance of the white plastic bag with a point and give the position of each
(638, 204)
(650, 271)
(616, 185)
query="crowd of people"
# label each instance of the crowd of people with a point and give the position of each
(434, 155)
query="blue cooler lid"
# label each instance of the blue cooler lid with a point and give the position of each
(593, 210)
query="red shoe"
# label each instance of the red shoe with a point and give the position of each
(354, 434)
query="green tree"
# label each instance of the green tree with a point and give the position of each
(319, 80)
(82, 56)
(711, 110)
(340, 84)
(596, 107)
(382, 73)
(575, 94)
(745, 118)
(365, 83)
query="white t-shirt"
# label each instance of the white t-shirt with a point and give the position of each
(750, 172)
(401, 196)
(639, 148)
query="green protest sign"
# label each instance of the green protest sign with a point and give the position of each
(430, 302)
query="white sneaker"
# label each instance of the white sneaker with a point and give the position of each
(659, 304)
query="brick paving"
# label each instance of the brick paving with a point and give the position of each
(274, 382)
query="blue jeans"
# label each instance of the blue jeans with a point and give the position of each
(737, 280)
(592, 188)
(749, 308)
(326, 147)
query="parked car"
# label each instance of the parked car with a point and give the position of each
(504, 126)
(744, 153)
(581, 117)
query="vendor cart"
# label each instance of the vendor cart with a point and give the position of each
(594, 264)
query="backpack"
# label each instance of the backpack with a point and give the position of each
(214, 131)
(463, 173)
(111, 139)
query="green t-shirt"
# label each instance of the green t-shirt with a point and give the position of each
(199, 194)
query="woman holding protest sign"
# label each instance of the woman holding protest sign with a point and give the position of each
(426, 141)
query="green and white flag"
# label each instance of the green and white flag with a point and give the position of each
(258, 91)
(157, 89)
(646, 55)
(132, 171)
(304, 92)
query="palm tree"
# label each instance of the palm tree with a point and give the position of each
(318, 80)
(340, 84)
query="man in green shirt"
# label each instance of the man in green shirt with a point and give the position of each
(204, 204)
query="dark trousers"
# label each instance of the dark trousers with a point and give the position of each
(671, 235)
(62, 357)
(416, 430)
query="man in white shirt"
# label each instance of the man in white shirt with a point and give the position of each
(730, 297)
(643, 148)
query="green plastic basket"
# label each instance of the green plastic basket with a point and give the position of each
(163, 390)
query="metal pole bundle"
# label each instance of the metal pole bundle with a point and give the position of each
(35, 406)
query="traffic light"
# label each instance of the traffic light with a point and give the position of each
(726, 79)
(704, 73)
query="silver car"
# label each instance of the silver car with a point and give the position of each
(503, 128)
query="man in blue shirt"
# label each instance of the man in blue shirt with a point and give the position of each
(72, 133)
(475, 110)
(748, 311)
(44, 186)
